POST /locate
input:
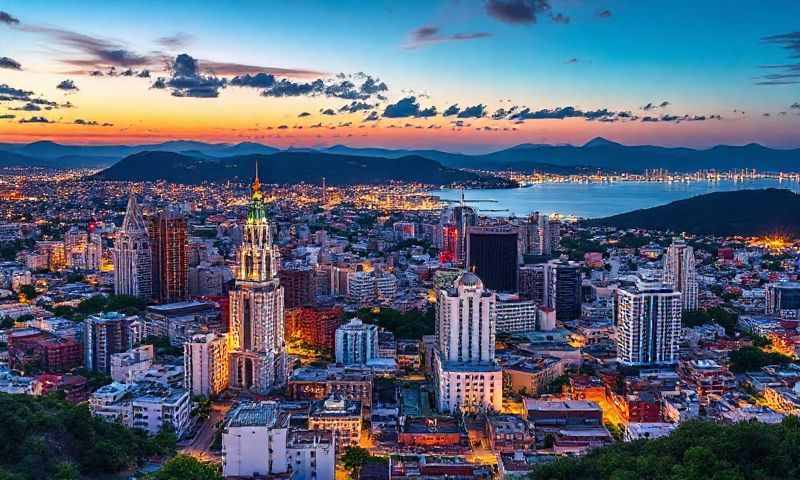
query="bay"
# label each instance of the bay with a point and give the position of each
(593, 200)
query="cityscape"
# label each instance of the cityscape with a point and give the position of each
(226, 270)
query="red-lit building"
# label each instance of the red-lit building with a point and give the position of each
(643, 407)
(314, 325)
(449, 244)
(75, 387)
(169, 243)
(32, 348)
(430, 432)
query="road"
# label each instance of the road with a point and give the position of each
(200, 447)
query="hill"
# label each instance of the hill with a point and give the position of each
(742, 212)
(598, 153)
(291, 167)
(695, 450)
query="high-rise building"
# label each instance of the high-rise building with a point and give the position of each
(299, 284)
(258, 361)
(371, 287)
(531, 282)
(679, 271)
(104, 335)
(206, 368)
(132, 255)
(648, 323)
(467, 375)
(562, 289)
(454, 223)
(314, 325)
(540, 234)
(493, 255)
(356, 343)
(169, 243)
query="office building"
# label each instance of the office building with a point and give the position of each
(493, 255)
(132, 255)
(258, 359)
(467, 376)
(315, 326)
(299, 284)
(340, 416)
(356, 343)
(783, 300)
(648, 323)
(679, 271)
(540, 234)
(367, 288)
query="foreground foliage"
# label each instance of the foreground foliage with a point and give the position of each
(46, 438)
(185, 467)
(696, 450)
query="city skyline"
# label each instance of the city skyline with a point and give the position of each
(457, 76)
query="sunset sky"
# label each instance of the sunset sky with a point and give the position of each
(467, 75)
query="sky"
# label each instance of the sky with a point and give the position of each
(463, 76)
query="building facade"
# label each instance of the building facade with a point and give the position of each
(169, 243)
(493, 255)
(679, 271)
(205, 359)
(356, 343)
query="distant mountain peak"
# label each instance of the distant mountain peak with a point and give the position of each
(601, 142)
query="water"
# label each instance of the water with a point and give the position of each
(593, 200)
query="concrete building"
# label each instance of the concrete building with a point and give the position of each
(493, 255)
(514, 314)
(356, 343)
(145, 405)
(299, 284)
(126, 366)
(679, 271)
(562, 289)
(254, 441)
(132, 256)
(467, 376)
(105, 334)
(342, 417)
(783, 300)
(648, 323)
(371, 287)
(206, 367)
(169, 244)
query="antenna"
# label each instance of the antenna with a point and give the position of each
(462, 195)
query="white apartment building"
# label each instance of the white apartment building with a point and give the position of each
(126, 366)
(371, 287)
(356, 343)
(648, 323)
(145, 405)
(206, 367)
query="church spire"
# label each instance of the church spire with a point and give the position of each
(256, 184)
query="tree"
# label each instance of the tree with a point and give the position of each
(28, 291)
(748, 359)
(185, 467)
(354, 458)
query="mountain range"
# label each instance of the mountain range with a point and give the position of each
(292, 167)
(598, 153)
(742, 212)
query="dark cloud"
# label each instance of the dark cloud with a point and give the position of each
(603, 14)
(572, 60)
(356, 106)
(451, 110)
(29, 107)
(649, 119)
(517, 11)
(429, 34)
(407, 107)
(560, 18)
(35, 119)
(283, 127)
(304, 114)
(80, 121)
(787, 73)
(7, 116)
(187, 81)
(14, 93)
(143, 74)
(327, 111)
(653, 106)
(259, 80)
(67, 85)
(174, 42)
(795, 106)
(475, 111)
(10, 63)
(373, 86)
(372, 117)
(8, 19)
(288, 88)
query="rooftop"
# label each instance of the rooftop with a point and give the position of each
(261, 414)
